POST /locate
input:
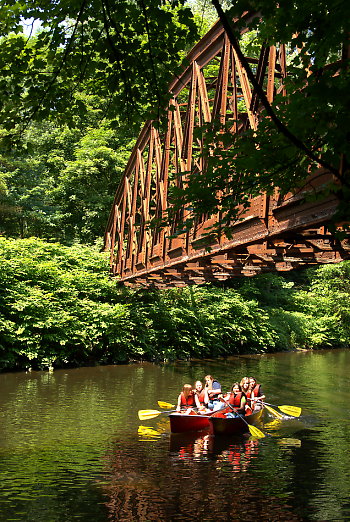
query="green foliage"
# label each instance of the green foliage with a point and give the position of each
(59, 306)
(123, 51)
(56, 303)
(202, 321)
(60, 180)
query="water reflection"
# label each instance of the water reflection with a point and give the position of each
(147, 433)
(289, 442)
(230, 453)
(200, 477)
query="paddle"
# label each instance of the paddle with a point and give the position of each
(150, 414)
(274, 412)
(162, 404)
(254, 431)
(293, 411)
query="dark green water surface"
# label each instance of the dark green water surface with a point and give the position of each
(72, 446)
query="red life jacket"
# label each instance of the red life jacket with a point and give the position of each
(201, 396)
(187, 402)
(248, 394)
(235, 399)
(256, 390)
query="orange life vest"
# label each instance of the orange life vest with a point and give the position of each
(201, 396)
(256, 390)
(189, 401)
(235, 399)
(248, 394)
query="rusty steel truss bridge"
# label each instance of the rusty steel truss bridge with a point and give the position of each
(275, 233)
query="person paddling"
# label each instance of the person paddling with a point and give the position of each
(186, 399)
(237, 399)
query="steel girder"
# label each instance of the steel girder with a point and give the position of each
(275, 233)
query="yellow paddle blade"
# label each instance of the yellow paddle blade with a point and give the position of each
(145, 431)
(294, 411)
(148, 414)
(162, 404)
(275, 413)
(255, 432)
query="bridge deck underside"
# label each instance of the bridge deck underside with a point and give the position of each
(275, 233)
(292, 236)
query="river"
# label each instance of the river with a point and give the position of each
(72, 446)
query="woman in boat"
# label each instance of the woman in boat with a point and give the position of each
(186, 399)
(247, 390)
(212, 391)
(236, 399)
(199, 393)
(245, 385)
(256, 394)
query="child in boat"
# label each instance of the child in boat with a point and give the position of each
(236, 399)
(256, 394)
(186, 400)
(212, 391)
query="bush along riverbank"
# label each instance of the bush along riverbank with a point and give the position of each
(58, 306)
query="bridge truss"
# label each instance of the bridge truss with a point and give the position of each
(274, 233)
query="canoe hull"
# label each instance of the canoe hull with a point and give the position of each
(233, 426)
(181, 423)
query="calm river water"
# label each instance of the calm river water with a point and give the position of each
(72, 446)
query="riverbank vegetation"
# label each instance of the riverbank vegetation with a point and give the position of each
(58, 306)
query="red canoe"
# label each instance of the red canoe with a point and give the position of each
(221, 425)
(181, 422)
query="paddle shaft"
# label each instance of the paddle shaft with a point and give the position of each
(276, 414)
(263, 402)
(293, 411)
(151, 414)
(269, 404)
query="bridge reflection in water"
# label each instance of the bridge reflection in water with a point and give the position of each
(275, 233)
